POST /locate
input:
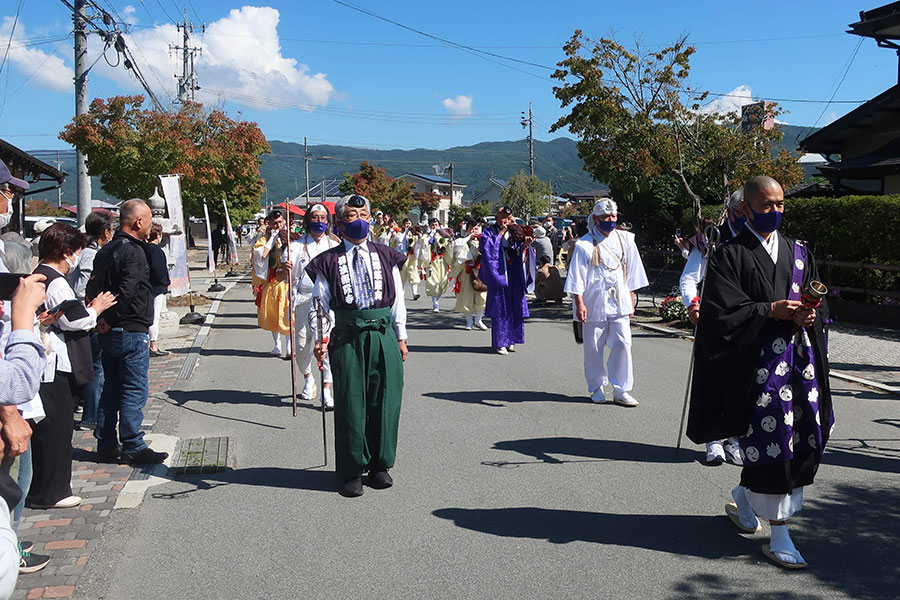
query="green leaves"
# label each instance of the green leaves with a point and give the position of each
(526, 195)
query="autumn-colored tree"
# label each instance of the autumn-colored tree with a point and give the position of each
(129, 147)
(427, 202)
(390, 195)
(42, 208)
(526, 195)
(638, 119)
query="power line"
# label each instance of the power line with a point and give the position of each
(839, 83)
(12, 33)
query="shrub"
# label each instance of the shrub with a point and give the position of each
(672, 309)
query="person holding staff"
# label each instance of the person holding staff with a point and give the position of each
(761, 369)
(360, 281)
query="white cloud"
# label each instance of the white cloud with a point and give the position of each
(46, 70)
(129, 16)
(458, 107)
(241, 54)
(730, 103)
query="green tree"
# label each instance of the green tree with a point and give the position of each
(482, 209)
(637, 119)
(392, 196)
(427, 202)
(129, 147)
(526, 195)
(43, 208)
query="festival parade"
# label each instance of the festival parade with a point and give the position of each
(391, 300)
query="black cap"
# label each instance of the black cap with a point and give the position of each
(507, 211)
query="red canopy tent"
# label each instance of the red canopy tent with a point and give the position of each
(296, 210)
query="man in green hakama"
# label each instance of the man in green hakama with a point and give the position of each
(360, 282)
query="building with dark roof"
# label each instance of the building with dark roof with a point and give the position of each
(33, 170)
(862, 148)
(439, 185)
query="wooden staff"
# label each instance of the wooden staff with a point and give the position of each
(291, 315)
(320, 339)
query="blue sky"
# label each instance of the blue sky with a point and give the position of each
(361, 81)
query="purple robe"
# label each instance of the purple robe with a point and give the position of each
(503, 272)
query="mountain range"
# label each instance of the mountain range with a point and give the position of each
(555, 161)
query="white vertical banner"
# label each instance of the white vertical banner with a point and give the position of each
(179, 273)
(232, 240)
(210, 259)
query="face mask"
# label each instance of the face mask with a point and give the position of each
(738, 223)
(72, 262)
(356, 230)
(5, 218)
(318, 227)
(606, 226)
(765, 222)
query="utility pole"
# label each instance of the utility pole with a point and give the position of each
(82, 181)
(58, 189)
(187, 82)
(529, 122)
(306, 164)
(450, 168)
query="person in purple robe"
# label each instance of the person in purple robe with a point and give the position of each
(503, 272)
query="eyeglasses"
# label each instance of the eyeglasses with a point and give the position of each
(356, 201)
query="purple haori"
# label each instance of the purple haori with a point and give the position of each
(503, 272)
(785, 418)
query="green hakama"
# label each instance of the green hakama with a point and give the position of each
(368, 381)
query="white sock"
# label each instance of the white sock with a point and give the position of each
(435, 300)
(414, 288)
(745, 513)
(469, 319)
(287, 344)
(277, 337)
(479, 315)
(783, 546)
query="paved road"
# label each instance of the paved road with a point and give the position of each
(509, 484)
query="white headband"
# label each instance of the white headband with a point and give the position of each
(318, 207)
(605, 207)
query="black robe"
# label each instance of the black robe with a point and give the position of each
(741, 283)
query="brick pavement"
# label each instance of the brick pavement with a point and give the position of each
(69, 535)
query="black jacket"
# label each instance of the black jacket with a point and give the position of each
(121, 267)
(159, 272)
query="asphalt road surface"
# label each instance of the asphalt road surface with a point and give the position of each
(509, 483)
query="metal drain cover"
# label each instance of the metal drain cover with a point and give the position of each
(202, 455)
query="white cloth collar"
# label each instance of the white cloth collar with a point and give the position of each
(770, 246)
(349, 246)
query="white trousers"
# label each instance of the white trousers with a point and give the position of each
(157, 311)
(305, 343)
(617, 369)
(776, 507)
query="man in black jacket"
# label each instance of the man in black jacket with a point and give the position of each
(121, 267)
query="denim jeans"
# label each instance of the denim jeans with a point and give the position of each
(126, 360)
(92, 389)
(23, 479)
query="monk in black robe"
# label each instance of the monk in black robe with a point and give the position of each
(761, 368)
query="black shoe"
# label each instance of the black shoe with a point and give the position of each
(352, 488)
(416, 297)
(107, 455)
(26, 546)
(145, 456)
(380, 479)
(32, 563)
(158, 352)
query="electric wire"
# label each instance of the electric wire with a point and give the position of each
(12, 34)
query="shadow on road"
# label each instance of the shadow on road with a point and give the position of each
(272, 477)
(503, 397)
(712, 586)
(706, 537)
(543, 448)
(461, 349)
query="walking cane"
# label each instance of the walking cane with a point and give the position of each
(321, 317)
(712, 238)
(291, 317)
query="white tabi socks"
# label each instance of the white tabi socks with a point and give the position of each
(783, 547)
(479, 323)
(469, 319)
(277, 337)
(414, 288)
(745, 513)
(435, 300)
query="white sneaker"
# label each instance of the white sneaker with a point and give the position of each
(276, 351)
(329, 398)
(715, 453)
(309, 389)
(67, 502)
(468, 328)
(511, 347)
(501, 350)
(598, 397)
(480, 325)
(733, 452)
(625, 399)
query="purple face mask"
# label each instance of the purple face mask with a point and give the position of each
(606, 226)
(356, 230)
(318, 227)
(765, 222)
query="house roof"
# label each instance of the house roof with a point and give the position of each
(33, 168)
(830, 139)
(433, 179)
(588, 195)
(884, 161)
(498, 182)
(882, 23)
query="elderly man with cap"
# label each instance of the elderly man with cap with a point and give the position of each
(503, 272)
(605, 270)
(717, 451)
(360, 281)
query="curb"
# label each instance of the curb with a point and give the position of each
(836, 374)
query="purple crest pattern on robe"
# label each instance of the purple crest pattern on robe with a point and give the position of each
(785, 418)
(503, 272)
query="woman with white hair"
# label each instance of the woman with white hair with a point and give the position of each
(605, 270)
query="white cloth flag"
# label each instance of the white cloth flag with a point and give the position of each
(179, 274)
(210, 259)
(232, 240)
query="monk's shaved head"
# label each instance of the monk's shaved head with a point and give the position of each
(759, 187)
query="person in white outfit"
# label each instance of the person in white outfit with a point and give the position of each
(316, 240)
(465, 261)
(604, 271)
